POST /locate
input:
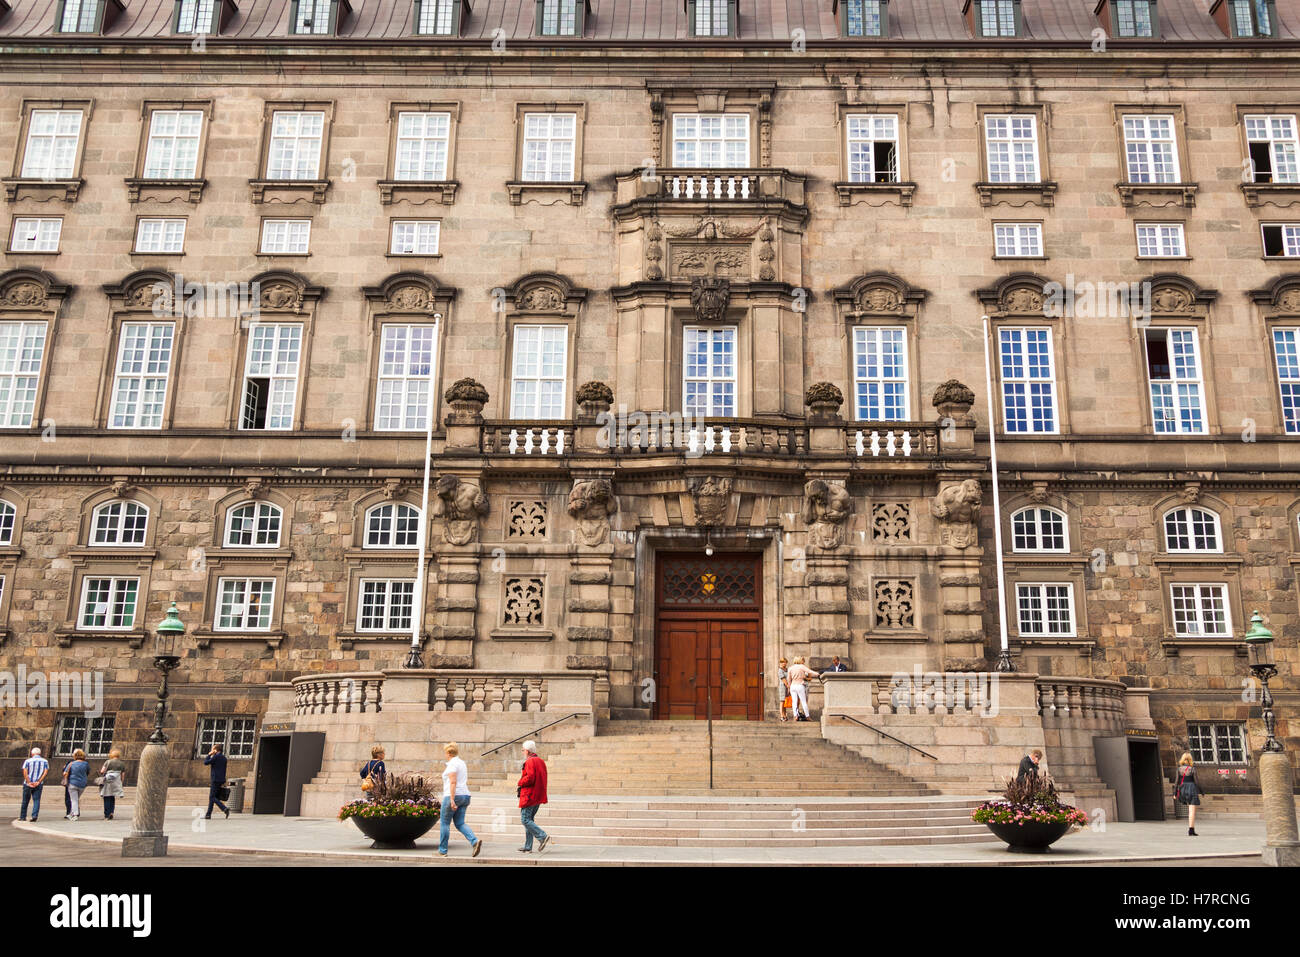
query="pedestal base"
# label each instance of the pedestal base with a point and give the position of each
(1281, 856)
(140, 845)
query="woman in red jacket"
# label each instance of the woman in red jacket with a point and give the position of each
(532, 795)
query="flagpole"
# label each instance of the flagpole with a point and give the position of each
(1004, 655)
(413, 658)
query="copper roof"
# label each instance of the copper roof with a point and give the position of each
(621, 21)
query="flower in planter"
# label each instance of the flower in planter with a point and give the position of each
(1030, 799)
(396, 795)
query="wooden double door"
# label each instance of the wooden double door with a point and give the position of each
(708, 636)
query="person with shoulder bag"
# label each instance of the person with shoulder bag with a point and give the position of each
(1188, 791)
(373, 771)
(110, 780)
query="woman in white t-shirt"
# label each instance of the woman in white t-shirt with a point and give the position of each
(455, 800)
(799, 675)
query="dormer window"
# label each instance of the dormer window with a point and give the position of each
(1132, 18)
(711, 18)
(317, 17)
(561, 18)
(862, 18)
(202, 16)
(994, 18)
(440, 18)
(1245, 18)
(86, 16)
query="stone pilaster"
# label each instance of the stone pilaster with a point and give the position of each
(456, 607)
(963, 610)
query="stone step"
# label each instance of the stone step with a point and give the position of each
(617, 841)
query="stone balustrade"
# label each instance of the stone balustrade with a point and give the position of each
(527, 438)
(895, 440)
(1093, 702)
(697, 185)
(355, 693)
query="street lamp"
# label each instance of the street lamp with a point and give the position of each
(1259, 651)
(1281, 841)
(147, 838)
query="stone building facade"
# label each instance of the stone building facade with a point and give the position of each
(699, 321)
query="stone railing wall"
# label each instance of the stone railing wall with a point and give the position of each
(356, 693)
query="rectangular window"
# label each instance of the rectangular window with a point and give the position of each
(36, 235)
(872, 147)
(863, 18)
(385, 605)
(435, 18)
(108, 604)
(538, 372)
(52, 138)
(422, 140)
(1286, 349)
(406, 365)
(1174, 371)
(295, 146)
(1251, 18)
(1281, 240)
(880, 373)
(1150, 149)
(313, 16)
(235, 735)
(1045, 610)
(1217, 743)
(1012, 143)
(173, 151)
(709, 371)
(711, 18)
(244, 604)
(1271, 141)
(144, 359)
(1160, 241)
(1028, 380)
(1200, 611)
(79, 16)
(160, 236)
(271, 376)
(1133, 18)
(559, 18)
(997, 18)
(92, 735)
(711, 141)
(549, 142)
(285, 237)
(195, 16)
(415, 237)
(1022, 240)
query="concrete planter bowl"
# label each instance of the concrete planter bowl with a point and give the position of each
(1031, 837)
(394, 833)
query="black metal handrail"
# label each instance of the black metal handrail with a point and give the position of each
(529, 734)
(910, 747)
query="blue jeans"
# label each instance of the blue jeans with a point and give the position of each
(454, 815)
(32, 794)
(531, 830)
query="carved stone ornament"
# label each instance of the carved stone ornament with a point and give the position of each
(594, 398)
(880, 299)
(410, 298)
(825, 508)
(255, 487)
(712, 496)
(1022, 300)
(953, 400)
(957, 509)
(393, 488)
(23, 295)
(1038, 493)
(766, 253)
(710, 297)
(281, 296)
(1191, 493)
(1169, 299)
(122, 485)
(718, 260)
(541, 299)
(466, 398)
(156, 296)
(1289, 301)
(654, 253)
(823, 393)
(592, 503)
(460, 505)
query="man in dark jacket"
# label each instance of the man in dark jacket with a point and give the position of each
(837, 665)
(1029, 764)
(532, 795)
(217, 761)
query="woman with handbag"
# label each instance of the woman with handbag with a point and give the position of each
(110, 780)
(74, 776)
(1188, 791)
(783, 686)
(373, 771)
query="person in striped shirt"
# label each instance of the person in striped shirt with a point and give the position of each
(34, 770)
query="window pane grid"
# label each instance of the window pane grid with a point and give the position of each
(1028, 380)
(872, 138)
(435, 17)
(33, 235)
(1045, 610)
(109, 603)
(1200, 611)
(295, 147)
(143, 366)
(539, 371)
(415, 237)
(559, 17)
(1150, 148)
(160, 236)
(709, 364)
(880, 373)
(1192, 530)
(711, 141)
(1175, 384)
(120, 523)
(1039, 530)
(286, 237)
(173, 151)
(393, 526)
(253, 524)
(245, 604)
(549, 142)
(1160, 240)
(1286, 350)
(422, 140)
(1012, 144)
(22, 346)
(52, 137)
(386, 605)
(405, 377)
(1018, 239)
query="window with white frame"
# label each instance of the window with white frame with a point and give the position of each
(285, 237)
(244, 604)
(313, 16)
(415, 237)
(1045, 609)
(271, 376)
(422, 144)
(549, 147)
(1133, 18)
(1200, 611)
(77, 732)
(997, 18)
(1251, 18)
(880, 373)
(1028, 379)
(195, 16)
(22, 346)
(709, 371)
(436, 18)
(538, 371)
(108, 603)
(1039, 530)
(160, 236)
(863, 18)
(253, 524)
(1160, 241)
(33, 234)
(1011, 141)
(711, 18)
(52, 138)
(235, 735)
(872, 147)
(144, 359)
(393, 526)
(559, 18)
(1215, 742)
(79, 16)
(1150, 149)
(1271, 140)
(1018, 240)
(1281, 240)
(173, 151)
(1286, 352)
(408, 353)
(1192, 530)
(8, 519)
(1174, 371)
(119, 523)
(295, 147)
(385, 605)
(711, 140)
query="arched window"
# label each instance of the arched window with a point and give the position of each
(392, 526)
(119, 523)
(8, 515)
(1192, 530)
(1040, 530)
(253, 524)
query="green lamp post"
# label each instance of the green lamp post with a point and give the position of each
(166, 660)
(1259, 650)
(1282, 839)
